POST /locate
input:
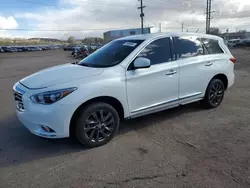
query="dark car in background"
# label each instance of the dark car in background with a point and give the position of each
(9, 49)
(28, 48)
(68, 48)
(243, 43)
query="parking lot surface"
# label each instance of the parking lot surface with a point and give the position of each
(182, 147)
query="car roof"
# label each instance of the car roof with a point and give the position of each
(169, 34)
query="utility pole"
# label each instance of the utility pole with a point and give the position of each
(159, 27)
(182, 26)
(208, 15)
(142, 15)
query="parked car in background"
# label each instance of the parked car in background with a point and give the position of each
(19, 48)
(25, 49)
(75, 51)
(233, 42)
(29, 48)
(127, 78)
(243, 43)
(82, 52)
(68, 48)
(9, 49)
(1, 50)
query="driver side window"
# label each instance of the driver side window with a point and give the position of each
(158, 51)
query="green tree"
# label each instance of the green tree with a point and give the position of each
(92, 40)
(72, 40)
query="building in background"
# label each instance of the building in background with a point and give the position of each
(236, 35)
(115, 34)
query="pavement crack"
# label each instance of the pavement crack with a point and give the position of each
(136, 179)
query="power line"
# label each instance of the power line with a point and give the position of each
(85, 9)
(56, 30)
(95, 2)
(110, 4)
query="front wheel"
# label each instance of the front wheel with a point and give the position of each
(97, 124)
(214, 94)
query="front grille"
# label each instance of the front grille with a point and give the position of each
(18, 96)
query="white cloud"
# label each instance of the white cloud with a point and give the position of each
(8, 23)
(29, 16)
(86, 14)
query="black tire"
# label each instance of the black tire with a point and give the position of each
(92, 128)
(214, 94)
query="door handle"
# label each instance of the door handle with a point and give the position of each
(171, 72)
(208, 64)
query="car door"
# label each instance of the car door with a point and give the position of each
(154, 88)
(194, 67)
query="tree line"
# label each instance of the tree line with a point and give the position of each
(88, 40)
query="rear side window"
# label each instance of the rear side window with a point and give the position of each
(212, 46)
(186, 47)
(158, 51)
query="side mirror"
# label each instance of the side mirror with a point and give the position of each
(142, 62)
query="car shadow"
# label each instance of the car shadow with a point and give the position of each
(152, 119)
(18, 145)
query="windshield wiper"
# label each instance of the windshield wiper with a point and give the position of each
(85, 65)
(82, 64)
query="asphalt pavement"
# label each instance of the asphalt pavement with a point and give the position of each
(182, 147)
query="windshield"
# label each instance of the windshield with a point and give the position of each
(111, 54)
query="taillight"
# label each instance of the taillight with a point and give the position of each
(233, 60)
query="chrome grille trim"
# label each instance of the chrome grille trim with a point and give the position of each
(18, 96)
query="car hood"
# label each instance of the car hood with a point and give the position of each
(58, 74)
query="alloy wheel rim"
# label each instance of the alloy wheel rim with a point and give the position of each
(99, 126)
(216, 93)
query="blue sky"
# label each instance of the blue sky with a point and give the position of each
(9, 7)
(93, 17)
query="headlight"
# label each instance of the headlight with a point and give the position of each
(51, 96)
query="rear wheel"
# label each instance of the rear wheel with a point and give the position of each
(97, 124)
(214, 94)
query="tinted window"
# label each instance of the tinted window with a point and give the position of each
(111, 54)
(212, 46)
(188, 47)
(158, 51)
(132, 32)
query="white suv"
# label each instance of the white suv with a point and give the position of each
(126, 78)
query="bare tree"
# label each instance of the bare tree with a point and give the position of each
(215, 31)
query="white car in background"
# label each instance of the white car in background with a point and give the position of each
(127, 78)
(233, 42)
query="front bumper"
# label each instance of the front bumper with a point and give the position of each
(56, 116)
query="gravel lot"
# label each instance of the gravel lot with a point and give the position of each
(182, 147)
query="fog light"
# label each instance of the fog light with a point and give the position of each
(47, 129)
